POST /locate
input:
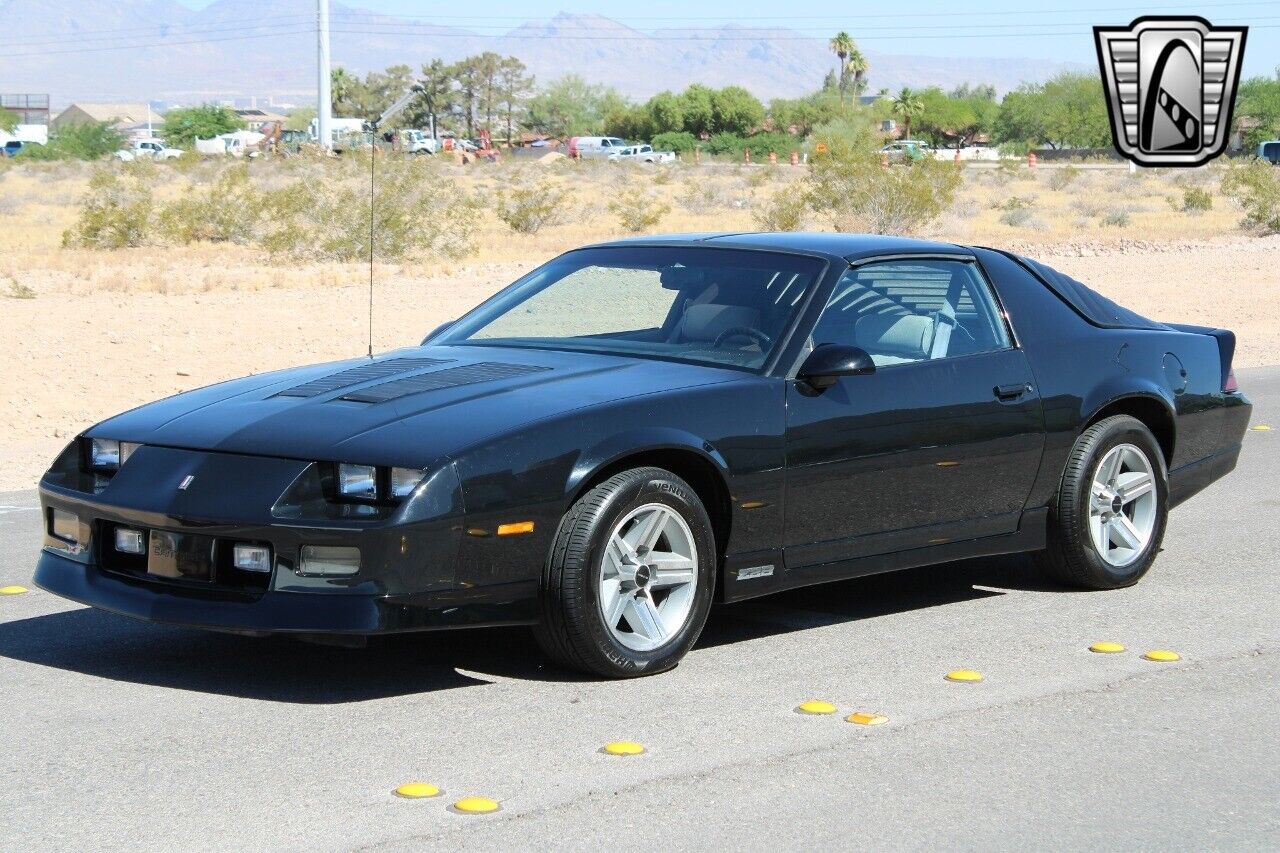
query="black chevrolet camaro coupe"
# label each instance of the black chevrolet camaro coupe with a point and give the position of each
(636, 429)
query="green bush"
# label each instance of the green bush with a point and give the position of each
(679, 142)
(1018, 217)
(1196, 200)
(1255, 186)
(1116, 218)
(88, 141)
(116, 214)
(637, 210)
(856, 193)
(785, 210)
(183, 126)
(228, 213)
(529, 207)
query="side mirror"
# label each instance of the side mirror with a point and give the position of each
(829, 362)
(437, 330)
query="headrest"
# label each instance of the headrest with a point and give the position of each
(895, 334)
(707, 321)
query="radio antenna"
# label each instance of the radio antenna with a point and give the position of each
(373, 159)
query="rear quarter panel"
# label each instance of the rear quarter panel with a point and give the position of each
(1081, 369)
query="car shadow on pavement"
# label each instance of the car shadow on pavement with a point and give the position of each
(278, 669)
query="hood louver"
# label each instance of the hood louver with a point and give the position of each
(467, 374)
(357, 375)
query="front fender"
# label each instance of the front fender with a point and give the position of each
(642, 439)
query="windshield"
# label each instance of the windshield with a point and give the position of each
(701, 305)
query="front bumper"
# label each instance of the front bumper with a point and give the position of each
(210, 502)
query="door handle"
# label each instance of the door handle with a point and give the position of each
(1011, 392)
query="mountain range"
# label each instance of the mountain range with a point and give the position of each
(111, 50)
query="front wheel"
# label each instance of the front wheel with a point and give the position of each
(629, 580)
(1108, 519)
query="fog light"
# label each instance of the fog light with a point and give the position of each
(65, 526)
(329, 560)
(130, 541)
(251, 558)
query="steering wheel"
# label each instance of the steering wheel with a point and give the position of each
(743, 332)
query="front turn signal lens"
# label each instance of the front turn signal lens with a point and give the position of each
(515, 528)
(404, 481)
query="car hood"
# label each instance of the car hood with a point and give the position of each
(409, 407)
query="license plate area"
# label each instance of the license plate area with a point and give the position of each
(180, 556)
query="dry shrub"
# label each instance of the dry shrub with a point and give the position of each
(228, 213)
(856, 193)
(1255, 186)
(785, 210)
(638, 210)
(1062, 177)
(528, 207)
(116, 213)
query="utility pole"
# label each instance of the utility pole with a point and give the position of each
(324, 104)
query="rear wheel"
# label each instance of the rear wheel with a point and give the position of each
(629, 581)
(1108, 518)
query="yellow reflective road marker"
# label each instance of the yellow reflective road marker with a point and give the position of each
(623, 747)
(816, 706)
(865, 718)
(1106, 648)
(965, 675)
(476, 805)
(1162, 655)
(417, 790)
(12, 590)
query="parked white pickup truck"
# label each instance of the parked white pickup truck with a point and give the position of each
(643, 154)
(418, 142)
(153, 149)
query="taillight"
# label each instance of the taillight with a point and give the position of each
(1230, 386)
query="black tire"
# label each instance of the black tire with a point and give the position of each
(572, 631)
(1071, 556)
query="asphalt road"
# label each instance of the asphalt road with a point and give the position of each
(118, 734)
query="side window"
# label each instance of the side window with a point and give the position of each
(908, 311)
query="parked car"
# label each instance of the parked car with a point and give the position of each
(642, 154)
(1270, 151)
(636, 428)
(12, 147)
(588, 147)
(907, 149)
(148, 149)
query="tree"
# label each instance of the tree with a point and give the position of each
(488, 67)
(842, 45)
(858, 66)
(299, 118)
(907, 105)
(829, 82)
(436, 94)
(514, 86)
(666, 112)
(570, 106)
(8, 121)
(1067, 111)
(85, 141)
(470, 79)
(735, 110)
(343, 88)
(183, 126)
(1259, 99)
(699, 116)
(957, 117)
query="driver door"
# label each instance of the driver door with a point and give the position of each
(941, 443)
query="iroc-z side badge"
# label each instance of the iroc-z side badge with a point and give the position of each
(1171, 87)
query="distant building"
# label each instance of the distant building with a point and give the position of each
(33, 117)
(119, 115)
(255, 118)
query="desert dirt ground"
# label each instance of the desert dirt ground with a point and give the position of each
(88, 333)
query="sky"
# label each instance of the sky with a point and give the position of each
(1056, 30)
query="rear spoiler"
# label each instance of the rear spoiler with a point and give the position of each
(1226, 343)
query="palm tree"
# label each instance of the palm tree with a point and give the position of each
(907, 105)
(341, 86)
(842, 45)
(858, 66)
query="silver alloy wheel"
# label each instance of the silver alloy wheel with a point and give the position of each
(648, 577)
(1122, 505)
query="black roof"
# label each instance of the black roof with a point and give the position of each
(848, 246)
